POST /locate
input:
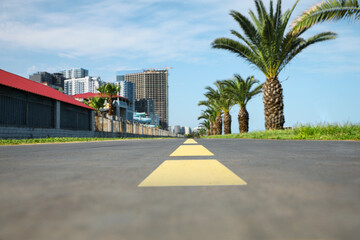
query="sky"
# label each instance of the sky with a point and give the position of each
(321, 85)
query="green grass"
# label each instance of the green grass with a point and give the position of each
(305, 132)
(59, 140)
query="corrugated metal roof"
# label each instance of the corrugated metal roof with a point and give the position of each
(91, 95)
(15, 81)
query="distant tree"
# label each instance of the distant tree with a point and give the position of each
(215, 112)
(242, 91)
(222, 99)
(97, 103)
(203, 131)
(110, 91)
(209, 116)
(205, 127)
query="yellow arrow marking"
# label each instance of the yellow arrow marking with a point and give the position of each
(191, 173)
(191, 150)
(190, 141)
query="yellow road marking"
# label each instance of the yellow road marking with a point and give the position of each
(191, 173)
(190, 141)
(191, 150)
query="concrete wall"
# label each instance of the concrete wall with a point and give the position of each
(19, 132)
(101, 127)
(111, 130)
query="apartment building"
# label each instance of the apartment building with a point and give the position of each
(75, 73)
(87, 84)
(127, 89)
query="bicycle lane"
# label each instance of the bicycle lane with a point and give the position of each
(190, 172)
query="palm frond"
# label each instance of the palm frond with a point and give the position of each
(247, 26)
(304, 44)
(256, 21)
(97, 103)
(241, 90)
(205, 124)
(264, 42)
(327, 11)
(241, 50)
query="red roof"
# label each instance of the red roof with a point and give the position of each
(15, 81)
(91, 95)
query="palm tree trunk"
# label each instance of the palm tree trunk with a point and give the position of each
(110, 106)
(273, 104)
(212, 129)
(243, 119)
(218, 123)
(227, 123)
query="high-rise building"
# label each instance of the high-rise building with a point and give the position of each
(75, 73)
(58, 79)
(177, 129)
(127, 89)
(82, 85)
(187, 130)
(153, 84)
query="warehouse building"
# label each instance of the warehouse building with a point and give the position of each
(31, 109)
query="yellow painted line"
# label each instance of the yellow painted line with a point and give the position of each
(191, 150)
(190, 141)
(191, 173)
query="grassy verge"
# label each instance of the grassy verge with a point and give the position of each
(305, 132)
(58, 140)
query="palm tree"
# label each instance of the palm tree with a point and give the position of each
(214, 102)
(220, 101)
(206, 125)
(97, 103)
(209, 115)
(206, 116)
(241, 92)
(266, 46)
(109, 90)
(215, 115)
(225, 102)
(327, 11)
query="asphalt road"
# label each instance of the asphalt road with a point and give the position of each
(295, 190)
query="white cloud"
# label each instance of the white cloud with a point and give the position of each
(154, 29)
(31, 70)
(107, 28)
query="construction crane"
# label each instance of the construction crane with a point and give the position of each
(156, 69)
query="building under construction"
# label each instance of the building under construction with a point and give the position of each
(153, 84)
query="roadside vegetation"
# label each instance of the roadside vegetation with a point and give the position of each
(304, 132)
(60, 140)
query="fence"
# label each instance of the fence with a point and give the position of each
(105, 125)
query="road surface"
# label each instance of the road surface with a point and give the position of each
(227, 189)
